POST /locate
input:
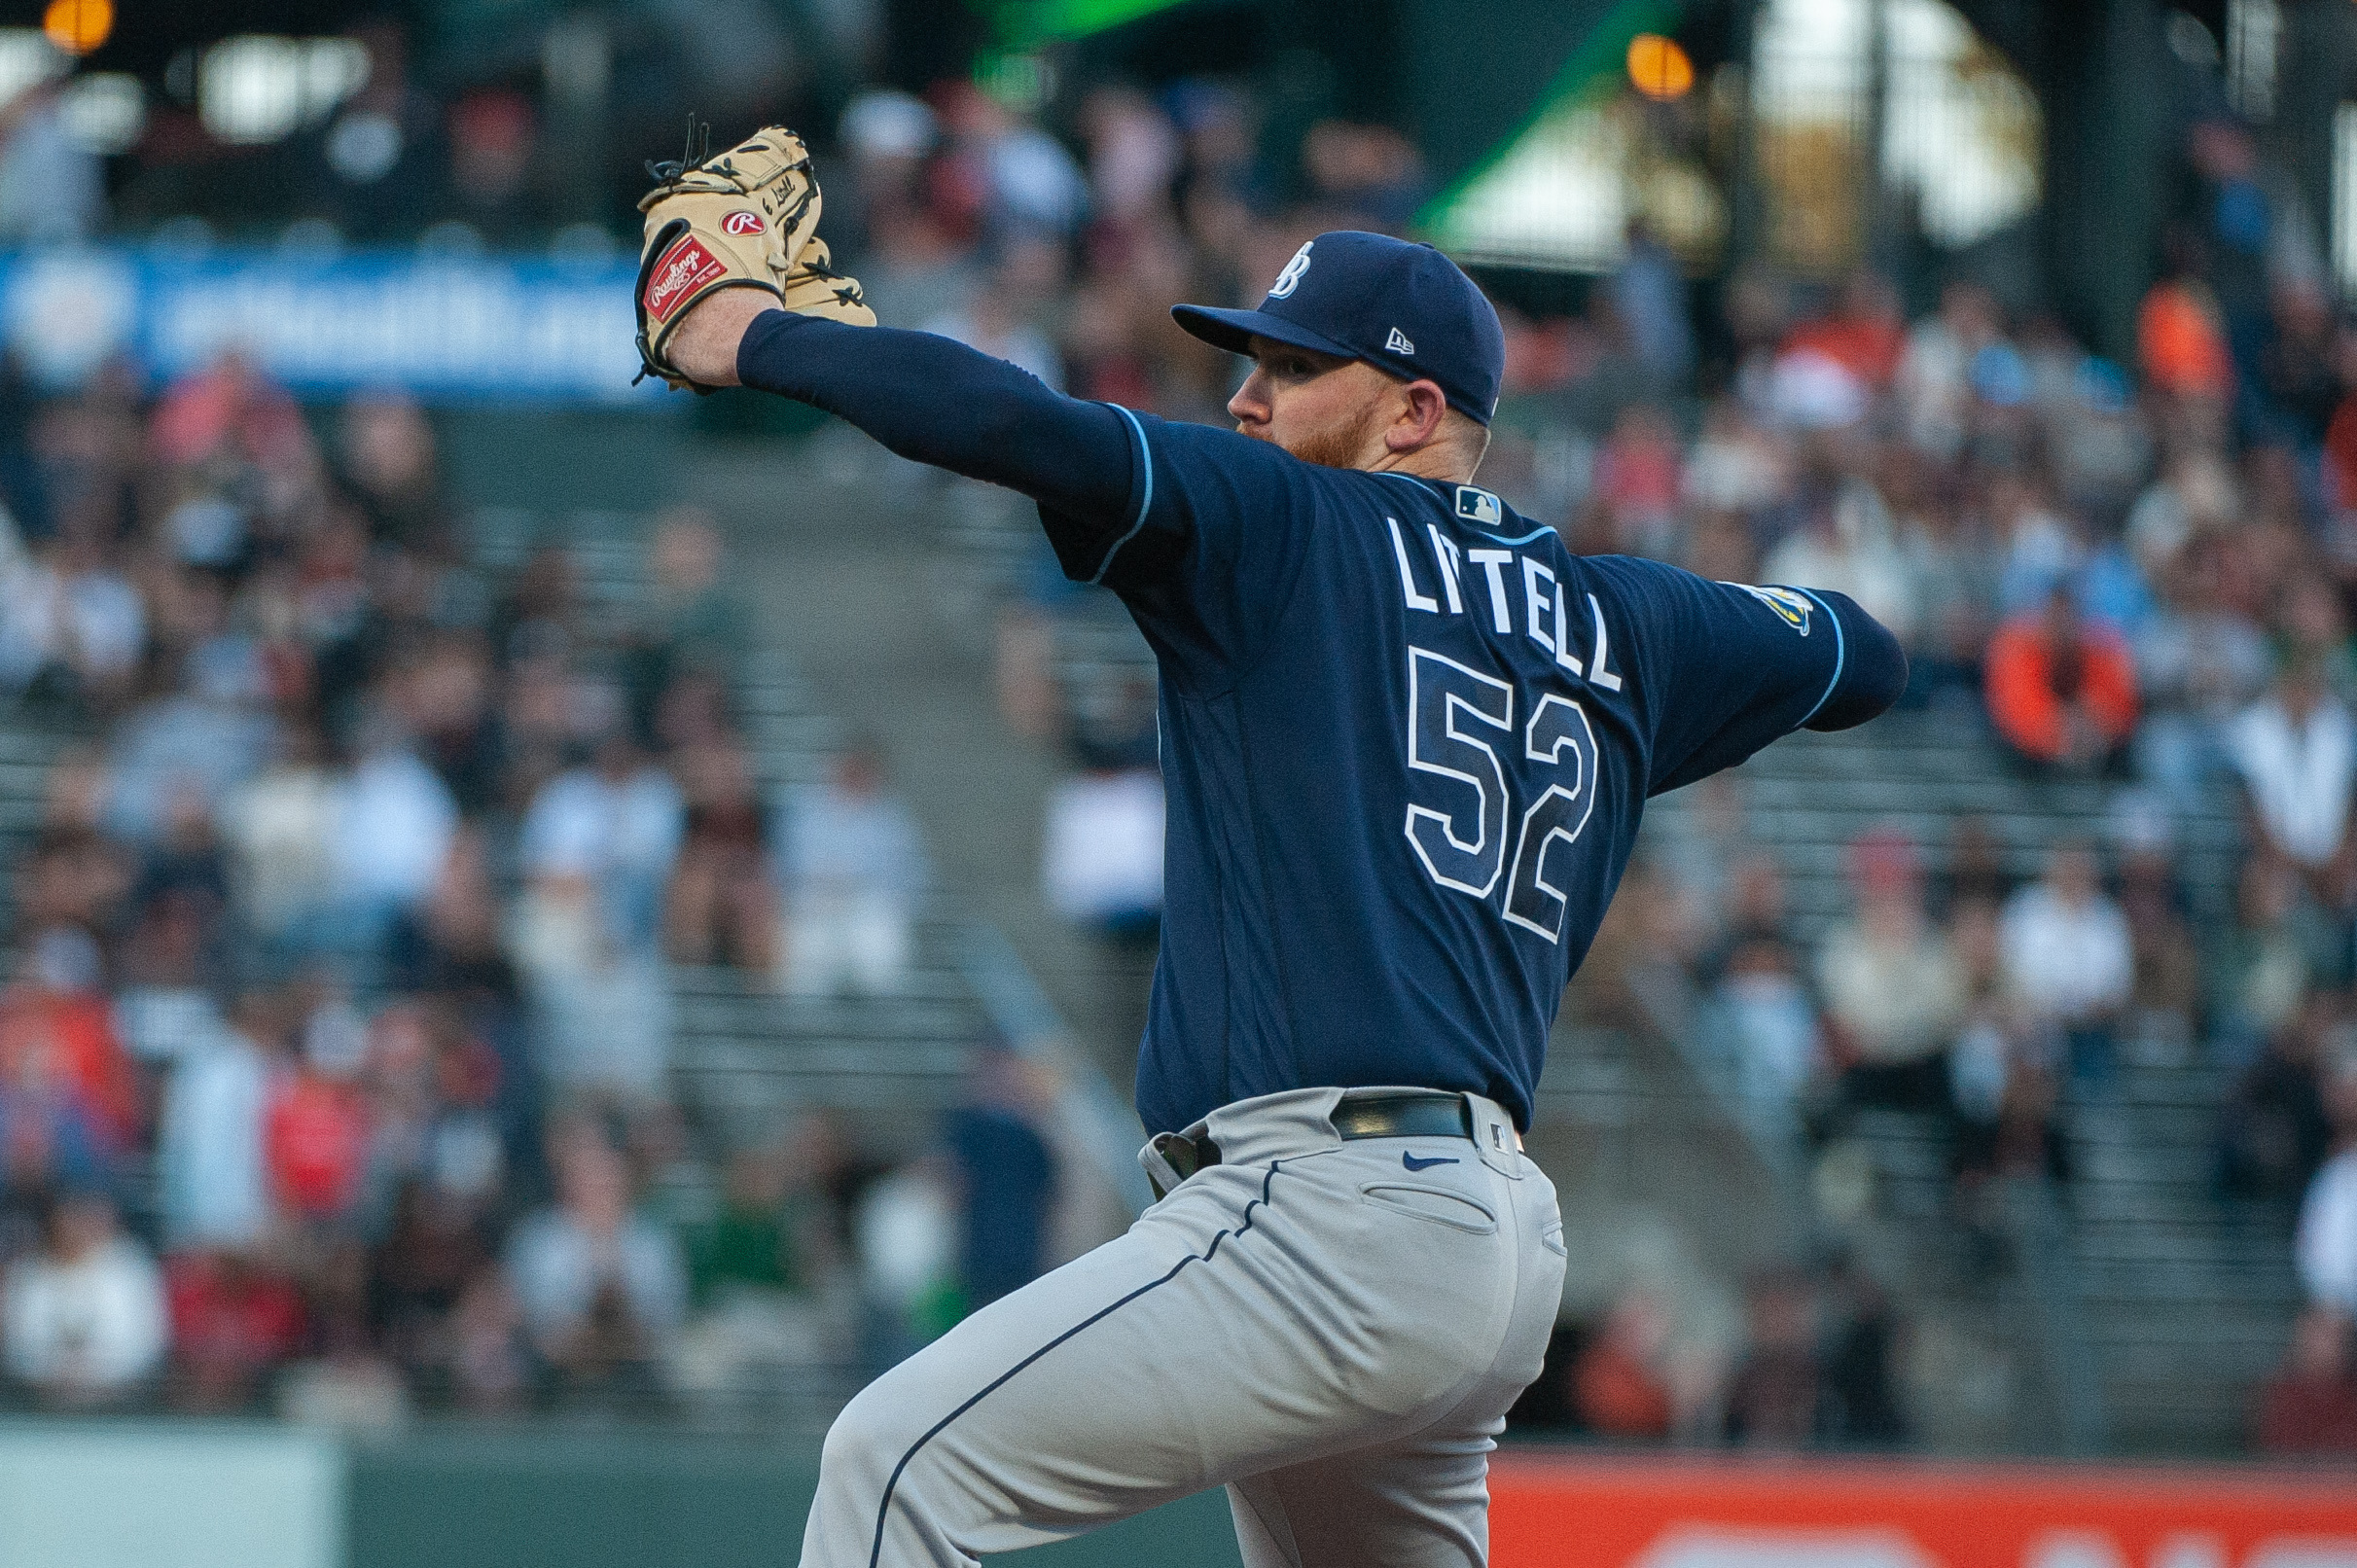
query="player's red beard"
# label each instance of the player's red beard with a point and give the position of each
(1338, 445)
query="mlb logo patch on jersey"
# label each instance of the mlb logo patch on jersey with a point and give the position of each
(1479, 506)
(1791, 608)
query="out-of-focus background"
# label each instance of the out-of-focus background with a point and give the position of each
(554, 929)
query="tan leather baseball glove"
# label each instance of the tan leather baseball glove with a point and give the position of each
(747, 218)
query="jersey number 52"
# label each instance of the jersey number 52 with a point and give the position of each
(1461, 811)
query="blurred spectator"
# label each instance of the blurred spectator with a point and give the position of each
(82, 1323)
(1893, 993)
(434, 1246)
(316, 1134)
(1007, 1175)
(1935, 370)
(493, 139)
(47, 1138)
(2296, 753)
(2309, 1405)
(2069, 957)
(851, 871)
(2165, 992)
(346, 1382)
(1649, 295)
(207, 742)
(2180, 341)
(51, 189)
(2274, 1130)
(388, 460)
(57, 1029)
(751, 1242)
(601, 1290)
(2260, 968)
(210, 1153)
(234, 1318)
(1770, 1012)
(998, 314)
(68, 618)
(393, 825)
(1101, 850)
(283, 827)
(2327, 1243)
(598, 846)
(757, 1266)
(722, 905)
(1859, 1402)
(696, 624)
(1975, 871)
(1865, 331)
(2062, 689)
(1772, 1401)
(1002, 172)
(231, 413)
(1636, 482)
(1847, 542)
(489, 1350)
(1619, 1387)
(2197, 665)
(906, 1233)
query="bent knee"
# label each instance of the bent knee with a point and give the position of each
(871, 1434)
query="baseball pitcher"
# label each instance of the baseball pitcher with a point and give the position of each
(1406, 737)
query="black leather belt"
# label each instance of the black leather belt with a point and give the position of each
(1358, 1116)
(1404, 1116)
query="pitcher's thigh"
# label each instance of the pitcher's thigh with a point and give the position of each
(1113, 1384)
(1421, 1505)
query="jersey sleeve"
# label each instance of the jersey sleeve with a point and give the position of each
(1210, 548)
(1725, 667)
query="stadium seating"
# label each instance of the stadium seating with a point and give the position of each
(2148, 1308)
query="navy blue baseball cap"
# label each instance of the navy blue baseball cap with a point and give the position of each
(1400, 306)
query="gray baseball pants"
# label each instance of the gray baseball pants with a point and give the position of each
(1331, 1329)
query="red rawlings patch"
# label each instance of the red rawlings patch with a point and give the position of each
(742, 222)
(683, 270)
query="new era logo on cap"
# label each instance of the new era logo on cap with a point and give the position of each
(1398, 343)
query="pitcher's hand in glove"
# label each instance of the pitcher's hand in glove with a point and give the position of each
(745, 219)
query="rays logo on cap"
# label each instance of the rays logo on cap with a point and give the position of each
(1291, 278)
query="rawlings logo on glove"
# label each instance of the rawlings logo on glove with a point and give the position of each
(686, 265)
(745, 219)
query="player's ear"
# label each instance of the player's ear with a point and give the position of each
(1418, 418)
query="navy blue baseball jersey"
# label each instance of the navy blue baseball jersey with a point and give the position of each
(1407, 735)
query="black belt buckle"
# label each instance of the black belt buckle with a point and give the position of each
(1186, 1155)
(1404, 1116)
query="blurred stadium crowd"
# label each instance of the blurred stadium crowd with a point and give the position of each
(341, 948)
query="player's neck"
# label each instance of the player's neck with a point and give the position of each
(1441, 462)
